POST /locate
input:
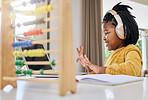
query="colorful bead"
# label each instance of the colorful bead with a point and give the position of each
(18, 71)
(49, 8)
(18, 25)
(30, 43)
(24, 72)
(24, 3)
(22, 63)
(29, 72)
(41, 71)
(25, 52)
(10, 8)
(17, 63)
(53, 63)
(12, 16)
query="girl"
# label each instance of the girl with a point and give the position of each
(121, 35)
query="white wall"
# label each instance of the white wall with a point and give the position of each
(77, 29)
(139, 10)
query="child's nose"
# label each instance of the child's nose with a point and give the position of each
(104, 38)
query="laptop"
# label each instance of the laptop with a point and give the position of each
(36, 67)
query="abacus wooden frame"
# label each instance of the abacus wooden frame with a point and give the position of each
(66, 72)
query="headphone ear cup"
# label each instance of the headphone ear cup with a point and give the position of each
(119, 31)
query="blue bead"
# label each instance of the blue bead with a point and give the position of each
(32, 1)
(13, 44)
(43, 0)
(30, 43)
(22, 43)
(26, 43)
(10, 8)
(37, 1)
(17, 44)
(24, 3)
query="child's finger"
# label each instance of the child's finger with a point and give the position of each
(82, 51)
(80, 47)
(87, 58)
(78, 51)
(77, 59)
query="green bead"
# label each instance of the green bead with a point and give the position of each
(18, 71)
(41, 71)
(17, 62)
(24, 72)
(22, 63)
(29, 72)
(53, 63)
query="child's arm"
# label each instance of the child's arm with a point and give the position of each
(131, 66)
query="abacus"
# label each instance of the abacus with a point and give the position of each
(65, 62)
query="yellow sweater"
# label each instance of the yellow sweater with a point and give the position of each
(126, 60)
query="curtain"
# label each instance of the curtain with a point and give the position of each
(92, 30)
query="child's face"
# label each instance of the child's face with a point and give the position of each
(111, 39)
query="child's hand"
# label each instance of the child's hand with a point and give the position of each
(80, 52)
(96, 69)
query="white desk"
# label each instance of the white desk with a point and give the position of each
(43, 91)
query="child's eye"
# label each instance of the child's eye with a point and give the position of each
(106, 33)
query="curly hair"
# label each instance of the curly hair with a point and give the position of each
(129, 24)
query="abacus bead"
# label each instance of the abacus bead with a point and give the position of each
(43, 0)
(10, 8)
(24, 3)
(19, 54)
(26, 43)
(14, 53)
(25, 52)
(32, 1)
(25, 34)
(53, 63)
(12, 16)
(17, 63)
(29, 53)
(29, 72)
(38, 1)
(22, 63)
(18, 71)
(42, 52)
(41, 71)
(19, 25)
(49, 8)
(30, 43)
(24, 72)
(12, 26)
(13, 44)
(40, 31)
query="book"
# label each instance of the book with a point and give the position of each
(107, 79)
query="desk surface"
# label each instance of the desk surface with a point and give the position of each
(44, 91)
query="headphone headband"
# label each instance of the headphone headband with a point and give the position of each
(119, 28)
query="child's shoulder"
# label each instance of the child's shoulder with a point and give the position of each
(131, 47)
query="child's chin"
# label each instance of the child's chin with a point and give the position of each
(109, 49)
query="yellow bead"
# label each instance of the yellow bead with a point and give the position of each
(25, 52)
(12, 16)
(49, 8)
(19, 53)
(14, 53)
